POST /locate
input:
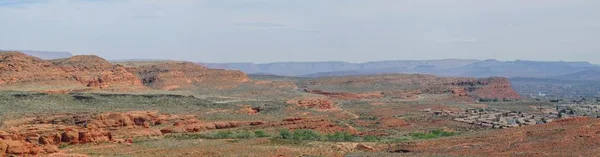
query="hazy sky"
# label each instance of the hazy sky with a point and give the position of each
(306, 30)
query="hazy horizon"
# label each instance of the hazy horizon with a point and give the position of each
(264, 31)
(158, 59)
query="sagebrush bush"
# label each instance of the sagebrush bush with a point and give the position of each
(304, 134)
(260, 133)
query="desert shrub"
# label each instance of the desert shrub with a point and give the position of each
(285, 134)
(432, 134)
(260, 133)
(304, 134)
(371, 139)
(244, 134)
(186, 136)
(424, 136)
(341, 136)
(394, 140)
(369, 118)
(223, 134)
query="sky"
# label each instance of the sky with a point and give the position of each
(306, 30)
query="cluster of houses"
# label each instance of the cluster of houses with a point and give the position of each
(591, 110)
(498, 118)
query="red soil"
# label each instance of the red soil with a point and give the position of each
(581, 136)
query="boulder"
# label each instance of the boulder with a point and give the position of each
(70, 137)
(20, 148)
(52, 139)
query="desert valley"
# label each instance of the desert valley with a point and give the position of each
(84, 105)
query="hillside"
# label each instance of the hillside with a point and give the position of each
(577, 135)
(96, 72)
(593, 74)
(174, 75)
(17, 68)
(410, 85)
(78, 73)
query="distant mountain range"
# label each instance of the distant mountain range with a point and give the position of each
(444, 67)
(44, 54)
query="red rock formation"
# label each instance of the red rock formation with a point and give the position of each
(18, 68)
(93, 72)
(174, 75)
(247, 109)
(43, 139)
(22, 148)
(129, 119)
(312, 103)
(96, 72)
(496, 87)
(81, 136)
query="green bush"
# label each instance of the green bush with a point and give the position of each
(223, 134)
(243, 135)
(424, 136)
(304, 134)
(285, 134)
(187, 136)
(340, 136)
(260, 133)
(394, 140)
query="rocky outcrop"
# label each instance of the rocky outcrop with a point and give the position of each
(43, 134)
(129, 119)
(93, 71)
(175, 75)
(44, 139)
(22, 148)
(312, 103)
(496, 87)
